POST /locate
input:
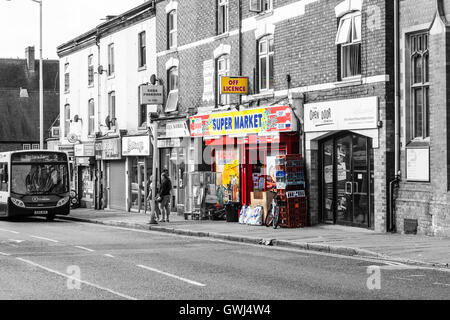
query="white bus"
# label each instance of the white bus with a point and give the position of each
(34, 183)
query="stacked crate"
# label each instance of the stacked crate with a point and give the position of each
(291, 191)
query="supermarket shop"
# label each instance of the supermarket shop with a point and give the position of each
(242, 146)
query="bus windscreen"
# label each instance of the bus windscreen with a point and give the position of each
(35, 179)
(38, 157)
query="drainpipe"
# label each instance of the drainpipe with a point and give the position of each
(394, 183)
(240, 46)
(100, 163)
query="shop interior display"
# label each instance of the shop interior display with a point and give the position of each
(291, 188)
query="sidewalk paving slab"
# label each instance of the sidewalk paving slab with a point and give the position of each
(410, 249)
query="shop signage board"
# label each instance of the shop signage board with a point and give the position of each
(169, 143)
(176, 129)
(252, 121)
(85, 150)
(234, 85)
(111, 149)
(353, 114)
(152, 95)
(418, 164)
(208, 80)
(136, 146)
(98, 150)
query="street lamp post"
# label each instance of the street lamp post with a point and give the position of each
(41, 80)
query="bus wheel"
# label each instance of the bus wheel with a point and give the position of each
(50, 217)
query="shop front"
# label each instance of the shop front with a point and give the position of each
(138, 164)
(346, 154)
(173, 143)
(70, 150)
(113, 190)
(244, 145)
(86, 173)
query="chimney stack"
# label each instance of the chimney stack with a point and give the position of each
(29, 55)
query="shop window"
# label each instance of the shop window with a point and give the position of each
(223, 70)
(222, 16)
(112, 108)
(66, 120)
(91, 113)
(419, 86)
(111, 66)
(348, 39)
(4, 177)
(172, 29)
(142, 50)
(90, 70)
(172, 80)
(265, 63)
(66, 78)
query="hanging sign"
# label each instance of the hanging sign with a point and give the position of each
(259, 121)
(136, 146)
(234, 85)
(152, 95)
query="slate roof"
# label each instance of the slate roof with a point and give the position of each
(19, 117)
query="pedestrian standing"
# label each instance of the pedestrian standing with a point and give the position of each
(165, 192)
(155, 213)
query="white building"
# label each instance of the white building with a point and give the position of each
(102, 72)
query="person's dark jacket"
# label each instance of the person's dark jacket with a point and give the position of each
(166, 187)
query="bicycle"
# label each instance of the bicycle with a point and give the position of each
(273, 215)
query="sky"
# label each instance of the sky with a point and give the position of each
(63, 20)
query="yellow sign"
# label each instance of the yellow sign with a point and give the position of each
(234, 85)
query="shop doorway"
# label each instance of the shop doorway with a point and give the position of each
(347, 180)
(138, 185)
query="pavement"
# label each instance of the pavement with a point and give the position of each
(349, 241)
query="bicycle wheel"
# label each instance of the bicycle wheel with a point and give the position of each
(276, 217)
(269, 218)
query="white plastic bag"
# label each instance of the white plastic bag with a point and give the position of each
(248, 215)
(242, 217)
(256, 216)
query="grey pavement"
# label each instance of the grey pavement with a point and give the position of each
(72, 260)
(412, 249)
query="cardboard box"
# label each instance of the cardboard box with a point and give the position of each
(263, 199)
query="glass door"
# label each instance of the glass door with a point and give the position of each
(361, 186)
(344, 180)
(328, 202)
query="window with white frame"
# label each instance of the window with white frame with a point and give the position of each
(261, 5)
(36, 147)
(223, 70)
(419, 86)
(111, 59)
(112, 107)
(348, 38)
(142, 50)
(66, 120)
(66, 78)
(265, 63)
(172, 81)
(91, 113)
(222, 16)
(172, 29)
(27, 146)
(90, 70)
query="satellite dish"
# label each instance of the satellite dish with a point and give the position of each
(108, 122)
(76, 118)
(72, 138)
(153, 79)
(100, 69)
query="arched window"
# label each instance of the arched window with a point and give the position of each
(66, 120)
(348, 38)
(222, 70)
(420, 86)
(91, 111)
(265, 63)
(172, 29)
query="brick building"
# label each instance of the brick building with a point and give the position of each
(331, 61)
(19, 100)
(422, 201)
